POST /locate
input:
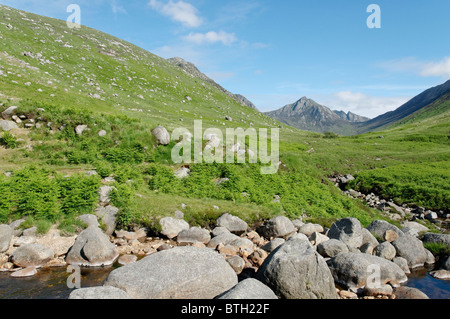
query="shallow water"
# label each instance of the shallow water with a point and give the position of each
(48, 283)
(52, 283)
(432, 287)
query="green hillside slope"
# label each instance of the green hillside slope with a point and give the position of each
(61, 78)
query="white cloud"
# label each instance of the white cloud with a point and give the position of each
(423, 68)
(361, 103)
(441, 68)
(211, 37)
(179, 11)
(116, 8)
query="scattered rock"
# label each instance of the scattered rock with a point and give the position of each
(79, 129)
(331, 248)
(99, 293)
(249, 289)
(233, 223)
(390, 235)
(104, 192)
(411, 249)
(162, 135)
(237, 263)
(379, 227)
(89, 220)
(171, 227)
(182, 173)
(441, 274)
(437, 238)
(384, 290)
(107, 214)
(92, 248)
(6, 234)
(347, 230)
(127, 259)
(24, 240)
(273, 244)
(352, 270)
(409, 293)
(279, 226)
(8, 125)
(26, 272)
(309, 228)
(31, 255)
(194, 234)
(385, 250)
(9, 112)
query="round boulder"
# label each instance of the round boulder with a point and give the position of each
(347, 230)
(353, 270)
(233, 223)
(162, 135)
(171, 227)
(99, 293)
(296, 271)
(31, 255)
(6, 234)
(249, 289)
(92, 248)
(279, 226)
(412, 250)
(332, 248)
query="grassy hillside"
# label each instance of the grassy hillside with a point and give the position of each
(89, 78)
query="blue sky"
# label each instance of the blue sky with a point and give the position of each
(275, 52)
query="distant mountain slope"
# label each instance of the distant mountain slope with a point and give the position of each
(306, 114)
(192, 70)
(43, 60)
(351, 117)
(421, 101)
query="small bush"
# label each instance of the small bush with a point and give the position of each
(8, 140)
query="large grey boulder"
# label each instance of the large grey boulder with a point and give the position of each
(171, 227)
(233, 223)
(437, 238)
(411, 249)
(347, 230)
(332, 248)
(7, 125)
(353, 270)
(105, 292)
(379, 228)
(279, 226)
(92, 248)
(296, 271)
(249, 289)
(6, 234)
(194, 235)
(179, 273)
(162, 135)
(108, 217)
(31, 255)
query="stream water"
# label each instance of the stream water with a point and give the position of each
(52, 283)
